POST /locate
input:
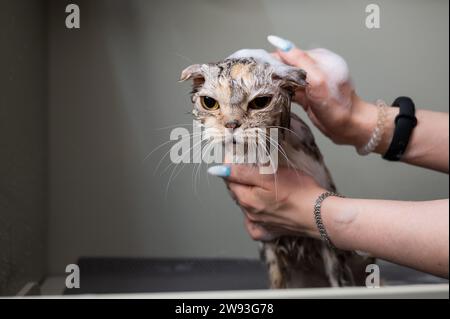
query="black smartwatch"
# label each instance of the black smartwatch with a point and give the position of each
(405, 122)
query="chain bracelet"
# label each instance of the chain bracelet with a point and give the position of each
(318, 218)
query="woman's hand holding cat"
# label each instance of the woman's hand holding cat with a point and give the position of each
(282, 204)
(271, 202)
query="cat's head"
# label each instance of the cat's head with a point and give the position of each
(243, 93)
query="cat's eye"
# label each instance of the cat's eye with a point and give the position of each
(259, 102)
(209, 103)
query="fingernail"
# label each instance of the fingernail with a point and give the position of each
(220, 170)
(280, 43)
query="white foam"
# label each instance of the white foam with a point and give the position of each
(335, 68)
(330, 63)
(262, 56)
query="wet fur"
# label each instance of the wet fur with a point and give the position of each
(292, 261)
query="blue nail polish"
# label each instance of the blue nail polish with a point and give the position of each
(220, 170)
(280, 43)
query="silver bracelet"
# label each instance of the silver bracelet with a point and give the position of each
(377, 133)
(318, 217)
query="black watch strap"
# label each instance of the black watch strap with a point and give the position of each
(404, 125)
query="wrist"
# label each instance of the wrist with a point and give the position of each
(303, 212)
(363, 122)
(332, 220)
(338, 216)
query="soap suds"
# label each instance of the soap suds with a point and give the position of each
(335, 68)
(262, 56)
(330, 63)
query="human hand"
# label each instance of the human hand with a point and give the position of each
(329, 98)
(273, 204)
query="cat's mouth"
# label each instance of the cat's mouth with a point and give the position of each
(240, 137)
(235, 140)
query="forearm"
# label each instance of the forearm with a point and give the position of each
(429, 143)
(415, 234)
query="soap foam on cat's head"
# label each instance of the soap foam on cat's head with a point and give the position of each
(330, 63)
(262, 56)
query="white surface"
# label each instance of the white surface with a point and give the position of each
(53, 285)
(409, 291)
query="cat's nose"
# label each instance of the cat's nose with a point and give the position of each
(234, 124)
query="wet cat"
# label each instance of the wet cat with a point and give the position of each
(248, 90)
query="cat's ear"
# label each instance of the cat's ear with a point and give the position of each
(291, 78)
(195, 73)
(192, 72)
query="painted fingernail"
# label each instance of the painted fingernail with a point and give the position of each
(220, 170)
(280, 43)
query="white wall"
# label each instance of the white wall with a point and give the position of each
(114, 82)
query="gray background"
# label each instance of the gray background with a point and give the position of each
(113, 83)
(112, 86)
(23, 144)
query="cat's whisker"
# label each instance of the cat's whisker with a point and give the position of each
(208, 148)
(275, 173)
(280, 149)
(194, 173)
(162, 158)
(176, 166)
(155, 149)
(166, 142)
(172, 126)
(194, 149)
(288, 161)
(277, 145)
(168, 183)
(193, 179)
(285, 128)
(283, 153)
(182, 56)
(160, 162)
(182, 156)
(172, 166)
(197, 171)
